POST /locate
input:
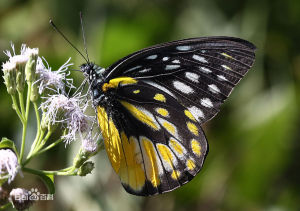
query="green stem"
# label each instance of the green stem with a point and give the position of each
(49, 147)
(43, 141)
(33, 148)
(23, 141)
(34, 144)
(28, 100)
(61, 172)
(38, 133)
(4, 207)
(25, 117)
(38, 120)
(38, 152)
(21, 101)
(16, 107)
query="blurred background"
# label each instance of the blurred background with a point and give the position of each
(254, 158)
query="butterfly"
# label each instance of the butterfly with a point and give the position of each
(151, 105)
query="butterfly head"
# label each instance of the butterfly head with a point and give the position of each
(92, 71)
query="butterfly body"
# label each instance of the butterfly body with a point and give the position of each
(151, 104)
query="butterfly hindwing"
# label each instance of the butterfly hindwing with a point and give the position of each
(160, 145)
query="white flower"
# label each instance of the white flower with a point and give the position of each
(24, 55)
(61, 109)
(9, 165)
(53, 80)
(89, 144)
(8, 66)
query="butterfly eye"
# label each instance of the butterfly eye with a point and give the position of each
(86, 68)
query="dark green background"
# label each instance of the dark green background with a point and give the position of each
(253, 163)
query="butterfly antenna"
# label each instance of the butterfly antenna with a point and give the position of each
(66, 39)
(83, 36)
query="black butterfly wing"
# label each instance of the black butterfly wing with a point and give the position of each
(199, 72)
(153, 138)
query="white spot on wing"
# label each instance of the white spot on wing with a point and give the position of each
(133, 68)
(205, 70)
(206, 102)
(213, 88)
(222, 78)
(176, 61)
(192, 76)
(165, 58)
(172, 67)
(183, 87)
(183, 48)
(152, 57)
(156, 85)
(200, 58)
(226, 67)
(145, 70)
(197, 112)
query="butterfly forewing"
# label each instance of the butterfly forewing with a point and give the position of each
(164, 93)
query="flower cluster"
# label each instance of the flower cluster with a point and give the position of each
(9, 165)
(69, 111)
(14, 69)
(53, 80)
(26, 75)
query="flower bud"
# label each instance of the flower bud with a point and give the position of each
(10, 72)
(30, 68)
(89, 147)
(19, 198)
(20, 61)
(86, 168)
(34, 92)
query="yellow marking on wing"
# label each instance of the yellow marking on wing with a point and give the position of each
(175, 174)
(196, 148)
(162, 112)
(114, 83)
(189, 115)
(176, 146)
(160, 97)
(131, 171)
(140, 115)
(111, 138)
(151, 162)
(226, 67)
(136, 91)
(190, 164)
(169, 127)
(193, 128)
(166, 154)
(226, 55)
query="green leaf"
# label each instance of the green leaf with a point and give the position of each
(48, 179)
(5, 143)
